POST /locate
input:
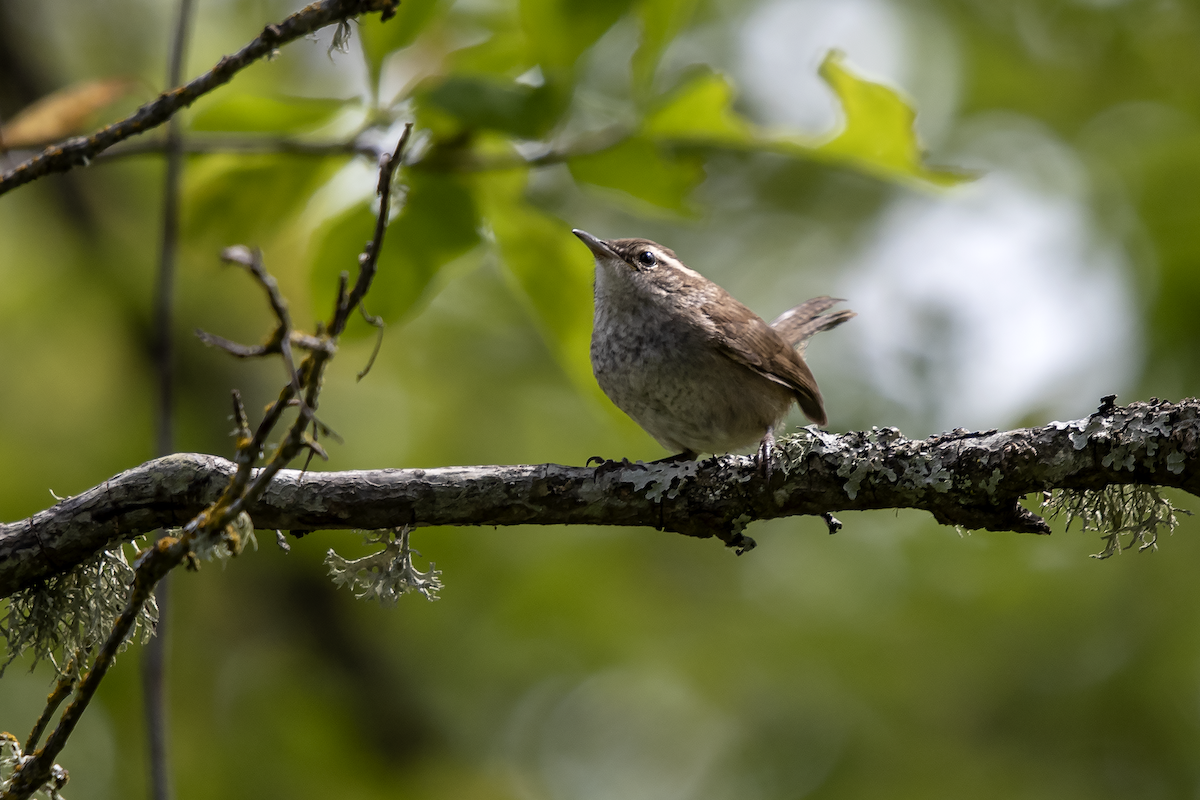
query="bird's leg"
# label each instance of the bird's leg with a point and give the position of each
(766, 449)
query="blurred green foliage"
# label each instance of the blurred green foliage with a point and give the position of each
(437, 224)
(895, 659)
(245, 112)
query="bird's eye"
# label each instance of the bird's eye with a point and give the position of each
(647, 259)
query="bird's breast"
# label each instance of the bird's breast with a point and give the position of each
(663, 369)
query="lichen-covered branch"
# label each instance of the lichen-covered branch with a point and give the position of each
(81, 149)
(970, 479)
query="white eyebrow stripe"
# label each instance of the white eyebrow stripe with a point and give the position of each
(684, 268)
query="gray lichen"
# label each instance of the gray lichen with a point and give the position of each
(228, 543)
(793, 451)
(1135, 440)
(660, 479)
(873, 453)
(11, 757)
(1087, 431)
(1131, 511)
(74, 612)
(993, 482)
(875, 447)
(386, 574)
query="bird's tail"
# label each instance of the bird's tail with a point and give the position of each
(797, 325)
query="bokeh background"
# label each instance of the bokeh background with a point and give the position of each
(895, 659)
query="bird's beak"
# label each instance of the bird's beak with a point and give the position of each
(599, 247)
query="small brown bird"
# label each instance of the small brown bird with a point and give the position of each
(699, 371)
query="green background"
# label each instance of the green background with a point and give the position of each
(895, 659)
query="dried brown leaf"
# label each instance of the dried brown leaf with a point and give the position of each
(62, 113)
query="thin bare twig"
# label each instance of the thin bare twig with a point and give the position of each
(80, 150)
(154, 658)
(201, 144)
(453, 157)
(212, 144)
(378, 324)
(215, 524)
(164, 291)
(370, 257)
(62, 688)
(299, 339)
(313, 368)
(281, 341)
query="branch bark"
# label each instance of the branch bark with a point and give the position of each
(81, 149)
(971, 479)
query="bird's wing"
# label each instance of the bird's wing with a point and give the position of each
(744, 337)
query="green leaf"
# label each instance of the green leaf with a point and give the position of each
(245, 112)
(381, 38)
(506, 50)
(550, 269)
(480, 103)
(562, 29)
(661, 22)
(640, 167)
(701, 112)
(878, 136)
(246, 198)
(437, 225)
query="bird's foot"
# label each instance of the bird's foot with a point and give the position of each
(766, 449)
(604, 465)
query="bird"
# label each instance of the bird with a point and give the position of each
(696, 369)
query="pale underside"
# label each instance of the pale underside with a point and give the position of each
(662, 370)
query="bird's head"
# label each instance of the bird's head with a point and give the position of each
(642, 263)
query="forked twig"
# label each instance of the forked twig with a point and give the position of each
(218, 523)
(378, 324)
(62, 688)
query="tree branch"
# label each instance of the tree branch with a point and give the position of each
(81, 149)
(974, 480)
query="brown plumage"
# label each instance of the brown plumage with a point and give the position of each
(698, 370)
